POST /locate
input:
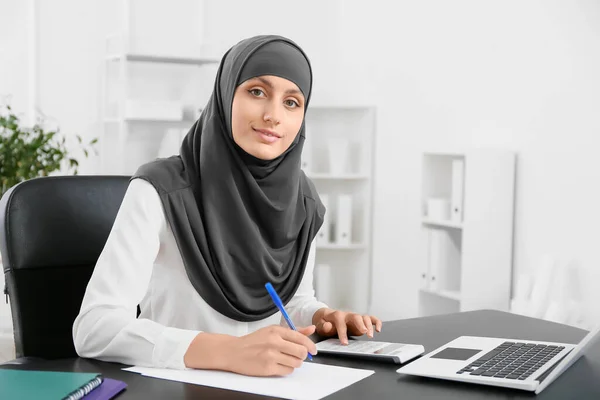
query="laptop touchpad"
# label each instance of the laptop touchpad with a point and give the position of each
(455, 353)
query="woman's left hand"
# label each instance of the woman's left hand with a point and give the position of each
(331, 322)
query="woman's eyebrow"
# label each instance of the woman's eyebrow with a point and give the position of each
(270, 85)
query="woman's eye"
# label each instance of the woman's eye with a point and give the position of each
(256, 92)
(291, 103)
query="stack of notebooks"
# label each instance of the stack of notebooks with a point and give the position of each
(21, 384)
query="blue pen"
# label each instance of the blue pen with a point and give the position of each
(279, 305)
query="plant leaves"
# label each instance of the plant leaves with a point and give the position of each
(27, 153)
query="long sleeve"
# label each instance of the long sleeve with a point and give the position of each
(304, 304)
(106, 327)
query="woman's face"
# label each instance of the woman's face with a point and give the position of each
(266, 115)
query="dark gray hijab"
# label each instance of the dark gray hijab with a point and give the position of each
(240, 221)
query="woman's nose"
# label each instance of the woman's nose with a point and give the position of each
(272, 114)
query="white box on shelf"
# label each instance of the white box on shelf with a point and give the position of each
(154, 110)
(444, 259)
(343, 225)
(438, 209)
(458, 176)
(323, 236)
(338, 155)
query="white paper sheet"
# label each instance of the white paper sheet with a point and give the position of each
(309, 382)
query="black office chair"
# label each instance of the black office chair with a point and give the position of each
(52, 231)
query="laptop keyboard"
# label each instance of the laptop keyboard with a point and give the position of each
(512, 360)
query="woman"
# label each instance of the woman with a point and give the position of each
(198, 236)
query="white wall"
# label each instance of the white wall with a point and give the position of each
(14, 54)
(65, 82)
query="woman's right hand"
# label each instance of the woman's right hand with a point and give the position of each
(270, 351)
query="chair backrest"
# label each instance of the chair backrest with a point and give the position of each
(52, 231)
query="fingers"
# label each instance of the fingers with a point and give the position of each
(289, 361)
(364, 324)
(359, 323)
(298, 338)
(295, 350)
(326, 328)
(340, 325)
(356, 325)
(307, 330)
(369, 325)
(279, 370)
(377, 322)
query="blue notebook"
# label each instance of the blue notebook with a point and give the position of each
(25, 385)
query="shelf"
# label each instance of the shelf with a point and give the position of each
(343, 177)
(452, 154)
(333, 246)
(162, 59)
(447, 294)
(447, 224)
(148, 121)
(338, 106)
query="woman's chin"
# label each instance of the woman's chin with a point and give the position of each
(264, 152)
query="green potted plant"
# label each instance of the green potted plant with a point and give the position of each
(27, 153)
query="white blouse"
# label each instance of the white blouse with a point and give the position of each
(141, 264)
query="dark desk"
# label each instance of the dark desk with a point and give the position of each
(581, 381)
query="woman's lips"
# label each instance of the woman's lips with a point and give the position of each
(267, 135)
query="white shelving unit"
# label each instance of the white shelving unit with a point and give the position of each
(149, 91)
(467, 243)
(338, 157)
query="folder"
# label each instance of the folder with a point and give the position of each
(444, 259)
(25, 385)
(343, 226)
(306, 163)
(425, 272)
(458, 183)
(323, 234)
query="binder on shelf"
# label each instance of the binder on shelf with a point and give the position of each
(323, 236)
(306, 159)
(343, 221)
(424, 278)
(458, 183)
(444, 259)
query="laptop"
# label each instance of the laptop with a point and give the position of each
(519, 364)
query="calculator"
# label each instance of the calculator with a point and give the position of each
(399, 353)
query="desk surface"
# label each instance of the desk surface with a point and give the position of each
(581, 381)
